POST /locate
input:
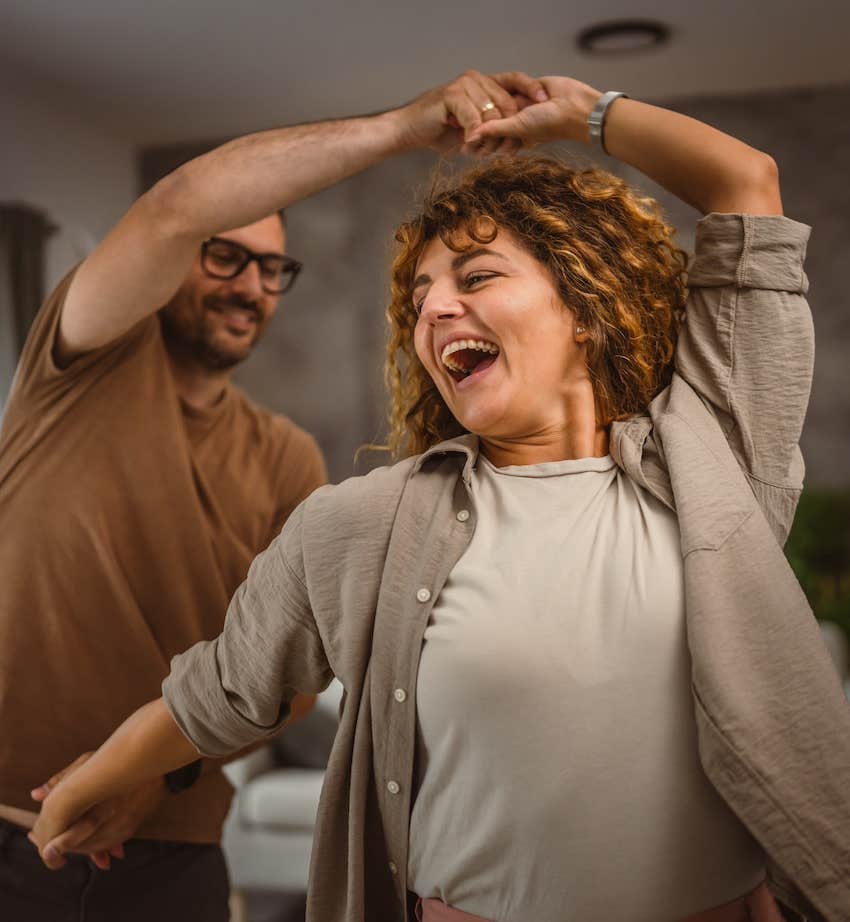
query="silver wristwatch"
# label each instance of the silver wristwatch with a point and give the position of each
(596, 119)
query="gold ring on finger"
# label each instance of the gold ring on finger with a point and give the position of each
(488, 107)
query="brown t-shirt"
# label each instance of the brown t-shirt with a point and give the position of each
(127, 520)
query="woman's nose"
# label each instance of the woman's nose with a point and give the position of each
(442, 305)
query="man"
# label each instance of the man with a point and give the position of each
(136, 484)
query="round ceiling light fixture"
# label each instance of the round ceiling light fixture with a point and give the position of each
(623, 36)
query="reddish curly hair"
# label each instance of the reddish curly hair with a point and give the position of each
(611, 257)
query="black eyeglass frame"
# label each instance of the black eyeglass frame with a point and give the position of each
(288, 264)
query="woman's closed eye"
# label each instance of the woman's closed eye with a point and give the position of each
(468, 281)
(476, 278)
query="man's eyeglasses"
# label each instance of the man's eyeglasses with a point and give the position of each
(224, 259)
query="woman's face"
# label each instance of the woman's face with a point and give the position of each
(497, 339)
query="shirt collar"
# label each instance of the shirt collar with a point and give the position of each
(464, 446)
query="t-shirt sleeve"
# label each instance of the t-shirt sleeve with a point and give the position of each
(40, 381)
(303, 468)
(231, 691)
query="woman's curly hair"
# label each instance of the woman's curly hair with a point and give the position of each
(611, 257)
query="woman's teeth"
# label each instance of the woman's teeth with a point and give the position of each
(459, 345)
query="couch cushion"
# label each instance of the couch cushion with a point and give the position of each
(307, 743)
(286, 798)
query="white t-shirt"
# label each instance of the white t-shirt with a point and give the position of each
(557, 766)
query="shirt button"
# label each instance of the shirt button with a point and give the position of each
(392, 787)
(400, 695)
(423, 594)
(393, 868)
(463, 515)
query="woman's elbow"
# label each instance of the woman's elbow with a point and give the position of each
(761, 194)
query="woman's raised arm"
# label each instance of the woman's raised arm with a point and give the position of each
(704, 167)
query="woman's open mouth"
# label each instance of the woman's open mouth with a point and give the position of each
(464, 358)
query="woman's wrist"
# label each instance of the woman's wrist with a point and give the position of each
(585, 102)
(67, 802)
(598, 116)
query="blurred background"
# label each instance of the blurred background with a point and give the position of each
(98, 98)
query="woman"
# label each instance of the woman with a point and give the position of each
(581, 681)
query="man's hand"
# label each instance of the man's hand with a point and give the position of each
(562, 116)
(101, 832)
(444, 118)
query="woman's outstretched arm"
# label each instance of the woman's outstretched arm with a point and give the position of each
(704, 167)
(147, 745)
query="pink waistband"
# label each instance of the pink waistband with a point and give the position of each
(756, 906)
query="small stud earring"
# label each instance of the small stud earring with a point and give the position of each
(579, 329)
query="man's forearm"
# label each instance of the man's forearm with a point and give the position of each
(141, 263)
(253, 176)
(144, 259)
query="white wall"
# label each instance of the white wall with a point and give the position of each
(54, 159)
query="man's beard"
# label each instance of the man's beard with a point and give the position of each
(195, 338)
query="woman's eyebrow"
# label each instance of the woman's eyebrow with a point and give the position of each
(458, 262)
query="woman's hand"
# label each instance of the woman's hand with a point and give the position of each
(60, 810)
(102, 831)
(143, 749)
(561, 117)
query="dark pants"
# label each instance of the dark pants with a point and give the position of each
(155, 882)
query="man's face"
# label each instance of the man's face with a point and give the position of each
(216, 322)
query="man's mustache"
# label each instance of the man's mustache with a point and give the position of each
(221, 304)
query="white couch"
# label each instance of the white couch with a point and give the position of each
(269, 830)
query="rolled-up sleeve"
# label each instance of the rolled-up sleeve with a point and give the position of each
(229, 692)
(747, 344)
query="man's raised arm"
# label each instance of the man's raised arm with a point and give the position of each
(143, 260)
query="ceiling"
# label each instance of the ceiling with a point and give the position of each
(170, 71)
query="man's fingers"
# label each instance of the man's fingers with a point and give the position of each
(523, 102)
(43, 790)
(105, 841)
(461, 107)
(101, 860)
(50, 855)
(48, 785)
(504, 104)
(515, 81)
(76, 837)
(475, 99)
(53, 858)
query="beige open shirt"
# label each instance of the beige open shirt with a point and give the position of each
(347, 587)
